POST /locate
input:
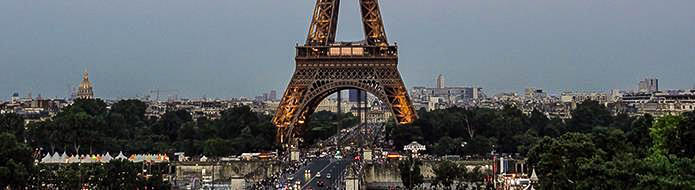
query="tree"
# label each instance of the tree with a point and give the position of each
(475, 175)
(170, 123)
(447, 172)
(686, 133)
(217, 147)
(610, 140)
(15, 162)
(638, 134)
(122, 175)
(558, 161)
(589, 114)
(666, 173)
(410, 173)
(447, 145)
(12, 123)
(664, 135)
(156, 182)
(92, 107)
(480, 145)
(133, 111)
(233, 120)
(405, 134)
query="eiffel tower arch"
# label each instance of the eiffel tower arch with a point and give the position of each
(324, 67)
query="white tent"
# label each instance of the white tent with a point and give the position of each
(55, 158)
(73, 159)
(85, 159)
(106, 158)
(46, 159)
(121, 156)
(63, 157)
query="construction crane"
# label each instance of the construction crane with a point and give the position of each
(158, 91)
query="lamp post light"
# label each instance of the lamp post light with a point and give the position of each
(463, 146)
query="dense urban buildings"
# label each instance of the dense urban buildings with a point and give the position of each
(633, 102)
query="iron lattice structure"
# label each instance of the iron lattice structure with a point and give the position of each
(324, 67)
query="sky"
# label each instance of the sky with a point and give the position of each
(230, 48)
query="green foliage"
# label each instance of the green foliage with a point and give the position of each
(602, 156)
(666, 173)
(447, 172)
(410, 173)
(12, 123)
(15, 162)
(589, 114)
(509, 130)
(664, 134)
(88, 127)
(560, 159)
(114, 175)
(447, 145)
(92, 107)
(686, 134)
(217, 147)
(638, 135)
(403, 135)
(132, 111)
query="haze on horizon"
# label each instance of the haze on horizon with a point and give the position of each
(244, 48)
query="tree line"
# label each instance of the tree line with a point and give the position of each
(89, 127)
(595, 149)
(92, 127)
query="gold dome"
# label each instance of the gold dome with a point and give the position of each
(85, 89)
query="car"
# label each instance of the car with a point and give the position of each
(290, 178)
(318, 174)
(328, 176)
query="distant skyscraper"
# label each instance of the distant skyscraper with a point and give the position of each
(354, 93)
(440, 81)
(84, 91)
(273, 95)
(649, 85)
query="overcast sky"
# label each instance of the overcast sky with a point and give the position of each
(227, 48)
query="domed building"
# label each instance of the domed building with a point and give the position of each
(84, 91)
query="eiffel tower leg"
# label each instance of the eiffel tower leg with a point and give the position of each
(286, 116)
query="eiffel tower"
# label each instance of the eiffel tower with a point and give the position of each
(324, 67)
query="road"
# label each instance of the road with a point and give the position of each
(326, 166)
(306, 175)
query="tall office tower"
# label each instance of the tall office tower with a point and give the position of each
(649, 85)
(273, 95)
(440, 81)
(354, 95)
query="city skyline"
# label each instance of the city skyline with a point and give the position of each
(210, 49)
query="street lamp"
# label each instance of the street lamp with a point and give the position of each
(463, 146)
